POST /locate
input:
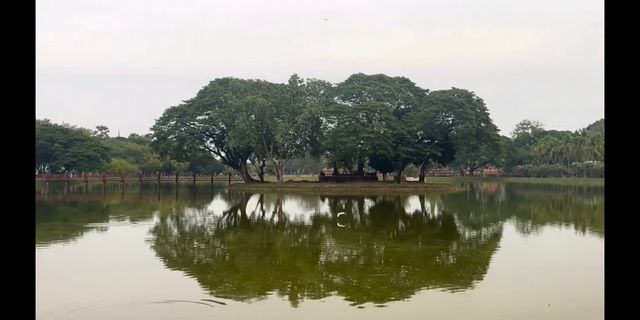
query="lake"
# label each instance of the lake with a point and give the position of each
(494, 251)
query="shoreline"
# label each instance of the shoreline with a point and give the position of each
(568, 181)
(347, 188)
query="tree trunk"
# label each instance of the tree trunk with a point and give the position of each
(360, 169)
(259, 165)
(462, 172)
(335, 168)
(423, 173)
(244, 172)
(471, 169)
(261, 170)
(384, 176)
(399, 175)
(278, 166)
(400, 172)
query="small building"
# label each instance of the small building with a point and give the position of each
(442, 172)
(327, 171)
(490, 172)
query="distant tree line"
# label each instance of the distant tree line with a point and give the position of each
(535, 152)
(63, 148)
(364, 124)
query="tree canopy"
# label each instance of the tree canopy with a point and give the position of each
(533, 151)
(65, 148)
(365, 123)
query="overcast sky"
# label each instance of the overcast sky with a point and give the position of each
(122, 63)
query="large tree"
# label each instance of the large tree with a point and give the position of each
(213, 121)
(101, 132)
(355, 132)
(131, 156)
(399, 96)
(381, 162)
(64, 148)
(284, 125)
(466, 121)
(523, 137)
(432, 134)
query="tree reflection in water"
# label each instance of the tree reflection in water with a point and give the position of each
(378, 253)
(383, 248)
(63, 217)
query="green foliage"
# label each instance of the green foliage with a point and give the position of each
(283, 123)
(304, 166)
(142, 140)
(412, 170)
(399, 94)
(367, 121)
(64, 148)
(386, 119)
(214, 121)
(101, 132)
(466, 122)
(136, 155)
(355, 132)
(121, 166)
(261, 250)
(381, 163)
(596, 127)
(539, 153)
(526, 132)
(586, 169)
(375, 115)
(226, 170)
(171, 166)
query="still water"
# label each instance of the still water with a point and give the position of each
(494, 251)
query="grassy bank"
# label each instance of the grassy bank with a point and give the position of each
(556, 181)
(347, 188)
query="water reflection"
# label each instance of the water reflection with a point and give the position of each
(532, 206)
(64, 215)
(374, 249)
(383, 253)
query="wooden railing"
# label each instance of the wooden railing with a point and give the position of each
(103, 177)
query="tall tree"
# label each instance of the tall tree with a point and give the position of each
(382, 163)
(101, 132)
(64, 148)
(286, 124)
(400, 96)
(213, 121)
(131, 154)
(431, 128)
(357, 131)
(467, 122)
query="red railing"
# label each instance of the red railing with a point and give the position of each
(103, 177)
